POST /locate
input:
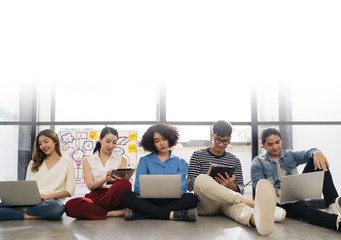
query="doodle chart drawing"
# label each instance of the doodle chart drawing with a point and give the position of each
(79, 144)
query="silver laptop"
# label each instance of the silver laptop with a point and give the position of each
(19, 193)
(301, 187)
(160, 186)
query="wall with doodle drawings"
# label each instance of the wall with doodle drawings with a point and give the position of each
(78, 144)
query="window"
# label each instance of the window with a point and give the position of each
(313, 101)
(9, 146)
(208, 100)
(9, 101)
(106, 100)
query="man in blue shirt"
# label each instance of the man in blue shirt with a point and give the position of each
(276, 163)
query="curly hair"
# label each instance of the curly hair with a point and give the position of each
(38, 156)
(166, 130)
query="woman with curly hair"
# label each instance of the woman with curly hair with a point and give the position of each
(55, 176)
(157, 140)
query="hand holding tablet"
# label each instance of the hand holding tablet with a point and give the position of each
(122, 173)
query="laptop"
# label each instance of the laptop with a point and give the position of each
(304, 186)
(160, 186)
(19, 193)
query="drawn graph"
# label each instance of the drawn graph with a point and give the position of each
(79, 144)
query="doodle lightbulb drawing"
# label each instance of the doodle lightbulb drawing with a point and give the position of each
(78, 155)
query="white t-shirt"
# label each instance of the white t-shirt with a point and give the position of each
(98, 170)
(61, 177)
(281, 171)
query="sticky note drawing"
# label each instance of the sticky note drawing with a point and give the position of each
(79, 144)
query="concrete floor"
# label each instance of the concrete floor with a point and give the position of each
(216, 227)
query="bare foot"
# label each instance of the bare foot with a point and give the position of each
(22, 208)
(32, 217)
(116, 213)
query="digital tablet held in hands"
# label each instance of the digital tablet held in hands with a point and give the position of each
(123, 172)
(221, 169)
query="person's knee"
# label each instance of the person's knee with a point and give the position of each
(127, 196)
(57, 210)
(192, 199)
(201, 182)
(71, 205)
(123, 185)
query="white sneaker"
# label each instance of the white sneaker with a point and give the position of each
(332, 209)
(338, 207)
(264, 210)
(338, 204)
(280, 214)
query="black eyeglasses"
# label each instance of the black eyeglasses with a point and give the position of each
(224, 141)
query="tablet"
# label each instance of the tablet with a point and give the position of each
(121, 172)
(220, 169)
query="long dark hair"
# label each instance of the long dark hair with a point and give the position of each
(104, 132)
(38, 156)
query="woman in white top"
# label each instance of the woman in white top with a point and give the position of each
(55, 177)
(104, 200)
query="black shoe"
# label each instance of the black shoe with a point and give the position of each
(186, 215)
(130, 214)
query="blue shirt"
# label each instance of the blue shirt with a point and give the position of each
(151, 164)
(263, 167)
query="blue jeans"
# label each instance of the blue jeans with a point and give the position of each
(52, 209)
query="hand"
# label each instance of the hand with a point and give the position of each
(45, 197)
(209, 170)
(113, 178)
(320, 161)
(226, 181)
(278, 192)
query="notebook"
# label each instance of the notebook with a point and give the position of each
(301, 187)
(160, 186)
(19, 193)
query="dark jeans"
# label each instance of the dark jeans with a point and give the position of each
(52, 209)
(303, 209)
(158, 208)
(328, 190)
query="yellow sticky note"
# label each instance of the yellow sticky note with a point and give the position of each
(93, 135)
(133, 136)
(132, 148)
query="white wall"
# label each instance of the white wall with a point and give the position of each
(324, 138)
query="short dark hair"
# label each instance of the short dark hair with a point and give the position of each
(166, 130)
(222, 128)
(270, 131)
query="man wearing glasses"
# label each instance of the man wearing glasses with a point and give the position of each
(223, 195)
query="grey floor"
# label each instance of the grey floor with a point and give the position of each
(215, 227)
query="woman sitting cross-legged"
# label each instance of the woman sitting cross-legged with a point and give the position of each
(55, 177)
(104, 200)
(158, 139)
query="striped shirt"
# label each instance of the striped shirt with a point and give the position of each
(201, 161)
